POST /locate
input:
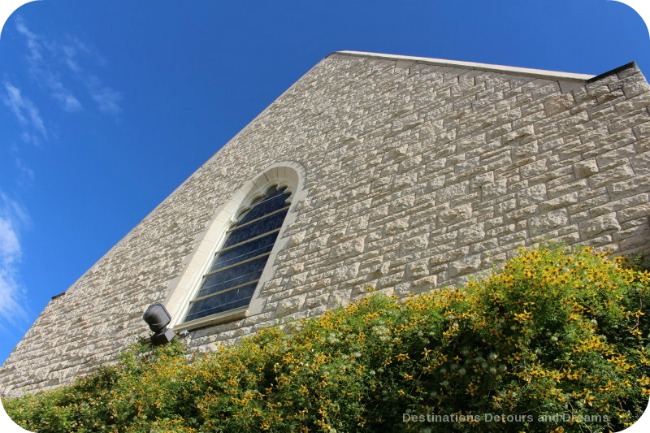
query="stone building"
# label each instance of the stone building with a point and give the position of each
(406, 174)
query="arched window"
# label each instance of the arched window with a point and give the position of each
(224, 275)
(237, 266)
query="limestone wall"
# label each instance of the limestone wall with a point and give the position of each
(417, 175)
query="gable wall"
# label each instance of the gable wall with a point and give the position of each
(417, 176)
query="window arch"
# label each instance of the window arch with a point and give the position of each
(235, 255)
(238, 265)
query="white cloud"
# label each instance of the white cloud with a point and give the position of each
(25, 174)
(107, 99)
(66, 99)
(12, 216)
(25, 111)
(71, 50)
(41, 58)
(53, 64)
(9, 246)
(34, 47)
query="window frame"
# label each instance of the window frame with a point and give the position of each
(211, 289)
(183, 289)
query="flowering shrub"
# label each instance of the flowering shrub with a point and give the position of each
(556, 341)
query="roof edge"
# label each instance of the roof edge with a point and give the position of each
(529, 72)
(630, 65)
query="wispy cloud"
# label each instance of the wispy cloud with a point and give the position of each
(34, 47)
(26, 112)
(107, 99)
(71, 51)
(67, 101)
(25, 174)
(42, 57)
(12, 217)
(56, 65)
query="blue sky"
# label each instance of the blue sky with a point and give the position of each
(107, 106)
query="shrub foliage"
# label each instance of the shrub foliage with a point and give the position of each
(556, 341)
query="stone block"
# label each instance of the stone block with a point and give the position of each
(349, 248)
(596, 227)
(548, 221)
(465, 265)
(584, 169)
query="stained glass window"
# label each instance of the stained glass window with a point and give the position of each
(237, 266)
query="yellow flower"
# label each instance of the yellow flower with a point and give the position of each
(472, 388)
(526, 316)
(402, 356)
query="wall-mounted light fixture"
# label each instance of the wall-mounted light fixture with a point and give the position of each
(157, 317)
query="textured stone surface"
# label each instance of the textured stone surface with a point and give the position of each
(419, 175)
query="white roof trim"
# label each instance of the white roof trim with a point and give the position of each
(538, 73)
